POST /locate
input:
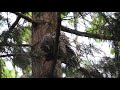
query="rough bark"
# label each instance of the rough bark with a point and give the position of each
(41, 68)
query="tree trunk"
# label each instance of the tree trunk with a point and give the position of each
(41, 68)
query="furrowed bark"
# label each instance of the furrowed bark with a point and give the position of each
(42, 68)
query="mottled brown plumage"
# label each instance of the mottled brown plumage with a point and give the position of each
(65, 53)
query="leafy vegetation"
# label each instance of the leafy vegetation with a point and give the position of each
(5, 72)
(96, 23)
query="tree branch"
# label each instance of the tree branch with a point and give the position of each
(15, 23)
(25, 17)
(8, 21)
(17, 54)
(9, 55)
(85, 34)
(19, 45)
(73, 31)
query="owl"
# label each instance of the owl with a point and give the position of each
(65, 53)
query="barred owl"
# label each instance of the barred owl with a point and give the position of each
(65, 53)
